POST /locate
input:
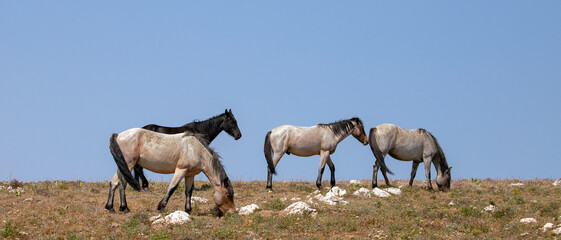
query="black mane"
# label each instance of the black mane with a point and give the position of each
(442, 157)
(206, 125)
(341, 127)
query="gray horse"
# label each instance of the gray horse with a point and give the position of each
(321, 139)
(417, 145)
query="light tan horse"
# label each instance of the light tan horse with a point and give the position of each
(416, 145)
(182, 154)
(321, 139)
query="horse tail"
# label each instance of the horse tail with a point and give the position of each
(377, 152)
(121, 163)
(268, 149)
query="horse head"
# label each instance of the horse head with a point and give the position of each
(443, 180)
(224, 198)
(230, 125)
(358, 131)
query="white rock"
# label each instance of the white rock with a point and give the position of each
(154, 218)
(314, 193)
(451, 203)
(338, 191)
(283, 199)
(295, 199)
(490, 208)
(528, 220)
(28, 200)
(332, 199)
(177, 217)
(249, 209)
(547, 226)
(392, 190)
(380, 193)
(557, 182)
(300, 207)
(557, 231)
(517, 184)
(363, 192)
(17, 190)
(199, 199)
(354, 182)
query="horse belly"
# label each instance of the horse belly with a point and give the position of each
(158, 166)
(407, 153)
(303, 149)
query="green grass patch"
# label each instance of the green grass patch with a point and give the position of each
(276, 205)
(9, 230)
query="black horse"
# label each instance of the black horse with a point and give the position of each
(208, 130)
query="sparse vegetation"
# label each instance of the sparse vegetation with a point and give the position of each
(74, 210)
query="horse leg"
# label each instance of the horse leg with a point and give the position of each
(276, 158)
(139, 173)
(332, 169)
(427, 161)
(113, 184)
(189, 186)
(122, 188)
(375, 175)
(413, 172)
(177, 176)
(324, 155)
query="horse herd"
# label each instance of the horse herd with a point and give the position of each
(184, 151)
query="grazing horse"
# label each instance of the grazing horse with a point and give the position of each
(417, 145)
(208, 130)
(182, 154)
(321, 139)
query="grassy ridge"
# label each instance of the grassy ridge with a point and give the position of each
(74, 210)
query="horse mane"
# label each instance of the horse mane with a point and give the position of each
(341, 127)
(205, 125)
(442, 157)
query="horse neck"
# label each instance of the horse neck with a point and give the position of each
(342, 137)
(214, 171)
(209, 128)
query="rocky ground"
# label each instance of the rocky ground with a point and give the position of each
(474, 208)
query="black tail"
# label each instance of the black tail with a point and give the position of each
(377, 152)
(121, 163)
(268, 149)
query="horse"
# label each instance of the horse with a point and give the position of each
(417, 145)
(207, 129)
(321, 139)
(184, 154)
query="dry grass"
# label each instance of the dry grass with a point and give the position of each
(74, 210)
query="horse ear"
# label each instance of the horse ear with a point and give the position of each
(225, 110)
(230, 110)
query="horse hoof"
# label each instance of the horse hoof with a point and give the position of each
(161, 208)
(146, 189)
(124, 209)
(110, 209)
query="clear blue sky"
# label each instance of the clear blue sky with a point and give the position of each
(483, 76)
